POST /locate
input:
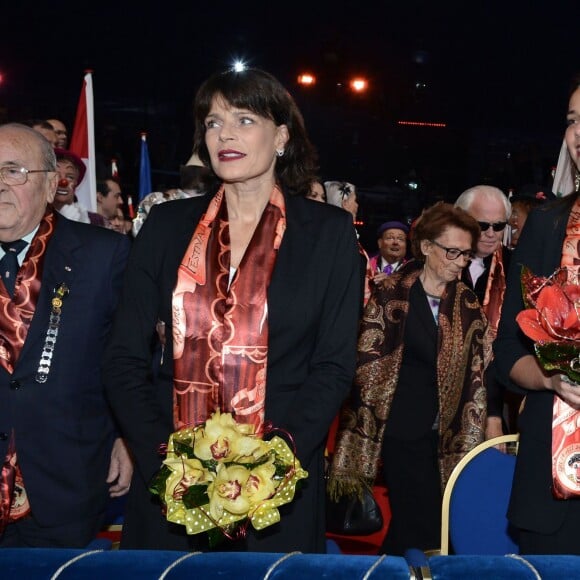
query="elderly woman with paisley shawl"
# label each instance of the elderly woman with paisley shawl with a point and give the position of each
(419, 402)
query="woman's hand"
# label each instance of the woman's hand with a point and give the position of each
(494, 428)
(566, 389)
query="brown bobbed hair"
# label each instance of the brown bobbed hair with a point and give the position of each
(261, 93)
(435, 220)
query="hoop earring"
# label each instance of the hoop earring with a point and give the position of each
(280, 152)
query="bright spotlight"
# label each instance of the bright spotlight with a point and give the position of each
(359, 85)
(239, 66)
(306, 79)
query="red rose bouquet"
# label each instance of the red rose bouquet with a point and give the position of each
(219, 477)
(552, 321)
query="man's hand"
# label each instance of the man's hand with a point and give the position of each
(120, 469)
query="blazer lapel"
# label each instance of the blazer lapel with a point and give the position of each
(291, 263)
(60, 264)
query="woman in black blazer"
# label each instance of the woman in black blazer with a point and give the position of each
(306, 289)
(546, 525)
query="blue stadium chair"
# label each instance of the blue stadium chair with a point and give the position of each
(475, 501)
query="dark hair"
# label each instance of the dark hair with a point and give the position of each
(103, 187)
(435, 220)
(194, 177)
(574, 85)
(38, 123)
(261, 93)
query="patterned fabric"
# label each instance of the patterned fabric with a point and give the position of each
(460, 366)
(566, 419)
(494, 291)
(17, 311)
(220, 331)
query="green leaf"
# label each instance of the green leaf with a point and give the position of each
(182, 448)
(210, 464)
(215, 537)
(195, 496)
(281, 470)
(159, 481)
(560, 356)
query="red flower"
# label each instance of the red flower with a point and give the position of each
(555, 315)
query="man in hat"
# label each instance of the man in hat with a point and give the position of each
(71, 170)
(392, 242)
(59, 282)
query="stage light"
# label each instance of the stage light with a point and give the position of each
(306, 79)
(239, 66)
(359, 85)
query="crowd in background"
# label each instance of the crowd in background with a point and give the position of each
(420, 384)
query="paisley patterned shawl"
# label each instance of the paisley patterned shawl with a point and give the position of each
(460, 366)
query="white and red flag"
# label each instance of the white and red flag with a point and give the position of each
(83, 144)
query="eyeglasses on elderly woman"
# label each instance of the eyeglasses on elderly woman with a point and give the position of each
(454, 253)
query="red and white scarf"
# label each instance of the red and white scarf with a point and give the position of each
(220, 330)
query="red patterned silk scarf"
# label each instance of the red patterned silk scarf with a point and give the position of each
(17, 311)
(220, 330)
(565, 419)
(494, 292)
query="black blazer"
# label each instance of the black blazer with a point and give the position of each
(63, 428)
(313, 305)
(540, 248)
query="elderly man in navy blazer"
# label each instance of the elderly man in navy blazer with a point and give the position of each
(60, 456)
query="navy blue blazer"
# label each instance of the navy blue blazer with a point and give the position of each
(63, 428)
(313, 306)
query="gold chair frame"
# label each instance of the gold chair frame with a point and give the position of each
(503, 439)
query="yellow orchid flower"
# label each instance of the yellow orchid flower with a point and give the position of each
(225, 492)
(222, 439)
(184, 473)
(260, 483)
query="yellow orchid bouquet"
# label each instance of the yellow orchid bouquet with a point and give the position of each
(220, 476)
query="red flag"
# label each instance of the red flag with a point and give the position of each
(83, 144)
(130, 207)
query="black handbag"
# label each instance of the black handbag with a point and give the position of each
(353, 516)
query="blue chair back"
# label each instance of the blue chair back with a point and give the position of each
(478, 505)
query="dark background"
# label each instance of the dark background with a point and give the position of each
(496, 73)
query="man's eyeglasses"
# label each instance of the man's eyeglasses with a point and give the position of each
(454, 253)
(497, 226)
(18, 175)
